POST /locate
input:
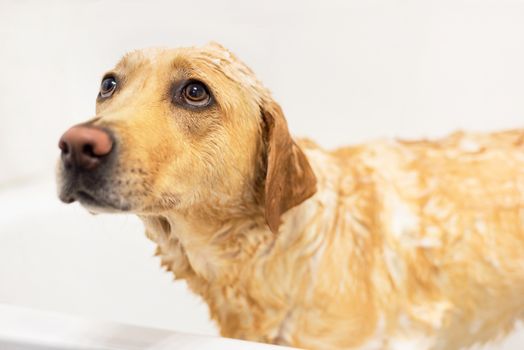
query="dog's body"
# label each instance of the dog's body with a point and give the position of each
(388, 245)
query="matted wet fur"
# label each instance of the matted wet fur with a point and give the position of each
(385, 245)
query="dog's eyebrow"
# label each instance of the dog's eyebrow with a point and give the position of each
(110, 74)
(183, 66)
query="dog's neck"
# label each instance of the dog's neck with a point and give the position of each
(246, 273)
(208, 244)
(212, 238)
(228, 262)
(211, 242)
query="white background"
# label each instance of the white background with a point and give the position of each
(344, 71)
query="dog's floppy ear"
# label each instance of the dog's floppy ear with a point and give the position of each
(289, 177)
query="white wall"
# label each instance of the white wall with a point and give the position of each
(344, 71)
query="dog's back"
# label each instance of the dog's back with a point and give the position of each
(437, 237)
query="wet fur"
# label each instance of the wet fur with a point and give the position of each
(385, 245)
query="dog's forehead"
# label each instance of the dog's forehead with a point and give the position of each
(139, 58)
(161, 58)
(212, 58)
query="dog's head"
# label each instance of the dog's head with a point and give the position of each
(178, 128)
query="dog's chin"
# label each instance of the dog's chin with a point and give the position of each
(96, 209)
(96, 202)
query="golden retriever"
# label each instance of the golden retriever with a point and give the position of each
(385, 245)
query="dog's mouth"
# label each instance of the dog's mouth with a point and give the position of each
(98, 200)
(95, 189)
(85, 197)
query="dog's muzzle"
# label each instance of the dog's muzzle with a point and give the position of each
(85, 156)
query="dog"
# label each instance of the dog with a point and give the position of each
(390, 244)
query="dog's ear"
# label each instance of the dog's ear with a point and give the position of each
(289, 177)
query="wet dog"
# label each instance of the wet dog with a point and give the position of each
(385, 245)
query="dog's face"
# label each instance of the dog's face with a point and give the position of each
(175, 129)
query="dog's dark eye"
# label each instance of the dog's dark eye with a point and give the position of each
(107, 87)
(196, 94)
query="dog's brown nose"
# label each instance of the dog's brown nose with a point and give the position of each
(84, 146)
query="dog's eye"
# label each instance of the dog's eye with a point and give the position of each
(107, 87)
(196, 94)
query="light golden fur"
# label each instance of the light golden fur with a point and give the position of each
(388, 245)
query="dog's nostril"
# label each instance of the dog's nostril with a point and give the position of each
(63, 146)
(87, 149)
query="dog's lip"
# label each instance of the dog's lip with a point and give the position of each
(90, 201)
(84, 196)
(78, 195)
(66, 196)
(68, 199)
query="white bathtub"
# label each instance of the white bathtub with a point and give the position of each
(26, 329)
(59, 258)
